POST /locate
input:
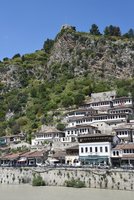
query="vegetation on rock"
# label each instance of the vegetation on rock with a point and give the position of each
(37, 88)
(76, 183)
(38, 181)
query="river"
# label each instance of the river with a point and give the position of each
(27, 192)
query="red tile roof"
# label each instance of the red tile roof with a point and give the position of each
(33, 154)
(11, 156)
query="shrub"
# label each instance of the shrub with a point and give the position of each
(60, 126)
(38, 181)
(75, 183)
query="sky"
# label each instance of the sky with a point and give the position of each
(26, 24)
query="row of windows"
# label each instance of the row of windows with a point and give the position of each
(47, 135)
(80, 131)
(100, 103)
(121, 111)
(100, 118)
(108, 103)
(122, 101)
(72, 132)
(116, 153)
(96, 149)
(128, 150)
(122, 132)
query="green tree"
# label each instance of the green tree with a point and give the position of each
(129, 34)
(67, 101)
(16, 56)
(79, 98)
(15, 128)
(112, 31)
(48, 44)
(94, 30)
(60, 126)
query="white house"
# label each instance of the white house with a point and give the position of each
(47, 134)
(81, 129)
(96, 149)
(81, 112)
(122, 101)
(72, 156)
(125, 132)
(122, 117)
(123, 154)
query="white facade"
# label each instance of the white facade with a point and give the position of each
(97, 150)
(98, 118)
(41, 138)
(124, 152)
(80, 130)
(72, 160)
(123, 102)
(101, 105)
(81, 113)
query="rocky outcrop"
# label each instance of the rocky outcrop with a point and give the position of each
(98, 55)
(77, 53)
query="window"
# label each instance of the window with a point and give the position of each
(117, 153)
(90, 149)
(86, 149)
(100, 149)
(106, 149)
(96, 149)
(114, 153)
(81, 149)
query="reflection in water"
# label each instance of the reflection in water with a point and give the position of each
(27, 192)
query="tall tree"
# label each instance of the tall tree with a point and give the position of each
(48, 44)
(112, 31)
(94, 30)
(129, 34)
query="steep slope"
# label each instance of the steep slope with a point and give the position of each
(64, 73)
(98, 55)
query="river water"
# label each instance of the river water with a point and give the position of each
(27, 192)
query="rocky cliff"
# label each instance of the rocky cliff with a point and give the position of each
(78, 53)
(99, 55)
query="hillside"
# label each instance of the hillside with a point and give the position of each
(64, 73)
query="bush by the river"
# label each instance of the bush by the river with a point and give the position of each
(75, 183)
(38, 181)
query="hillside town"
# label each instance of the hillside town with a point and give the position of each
(100, 133)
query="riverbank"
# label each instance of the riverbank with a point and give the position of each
(93, 178)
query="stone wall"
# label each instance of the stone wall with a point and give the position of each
(93, 178)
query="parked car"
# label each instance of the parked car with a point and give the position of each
(42, 164)
(127, 166)
(103, 166)
(5, 165)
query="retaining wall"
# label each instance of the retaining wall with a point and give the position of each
(93, 178)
